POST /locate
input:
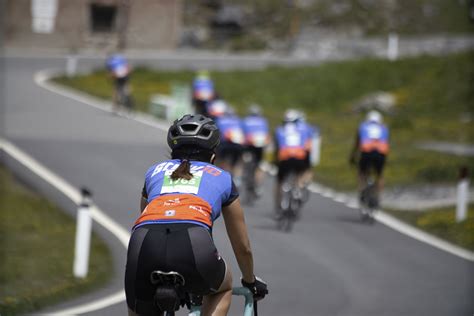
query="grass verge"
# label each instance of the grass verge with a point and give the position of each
(37, 250)
(442, 223)
(433, 103)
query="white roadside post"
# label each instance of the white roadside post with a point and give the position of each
(71, 65)
(392, 47)
(462, 195)
(83, 236)
(316, 149)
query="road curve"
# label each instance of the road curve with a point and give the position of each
(330, 265)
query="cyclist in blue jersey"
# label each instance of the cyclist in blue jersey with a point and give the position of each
(311, 133)
(229, 152)
(292, 150)
(181, 199)
(370, 149)
(119, 71)
(257, 137)
(203, 91)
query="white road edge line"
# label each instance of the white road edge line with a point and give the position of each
(97, 214)
(417, 234)
(42, 77)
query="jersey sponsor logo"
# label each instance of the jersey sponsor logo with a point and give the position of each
(172, 202)
(169, 213)
(198, 209)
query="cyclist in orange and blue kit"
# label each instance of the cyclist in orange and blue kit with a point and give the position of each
(292, 150)
(230, 149)
(371, 148)
(257, 137)
(202, 91)
(181, 199)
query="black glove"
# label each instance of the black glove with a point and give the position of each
(258, 288)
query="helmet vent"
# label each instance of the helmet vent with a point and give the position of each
(205, 132)
(188, 127)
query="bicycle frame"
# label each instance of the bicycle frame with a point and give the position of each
(238, 291)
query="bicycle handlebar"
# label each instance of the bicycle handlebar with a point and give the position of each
(249, 302)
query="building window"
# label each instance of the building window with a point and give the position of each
(102, 18)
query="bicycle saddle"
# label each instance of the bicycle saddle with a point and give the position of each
(168, 296)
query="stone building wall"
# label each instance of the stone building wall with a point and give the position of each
(151, 24)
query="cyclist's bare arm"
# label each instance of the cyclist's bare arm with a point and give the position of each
(237, 232)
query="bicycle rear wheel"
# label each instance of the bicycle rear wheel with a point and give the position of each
(285, 222)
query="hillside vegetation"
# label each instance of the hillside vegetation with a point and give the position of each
(264, 23)
(37, 249)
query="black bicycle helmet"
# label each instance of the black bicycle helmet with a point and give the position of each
(197, 130)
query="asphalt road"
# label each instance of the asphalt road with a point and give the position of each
(331, 264)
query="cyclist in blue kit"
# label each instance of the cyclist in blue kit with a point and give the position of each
(257, 137)
(203, 91)
(119, 70)
(230, 149)
(181, 199)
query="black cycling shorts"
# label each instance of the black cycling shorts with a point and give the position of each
(286, 167)
(200, 106)
(121, 82)
(371, 161)
(184, 248)
(257, 153)
(229, 152)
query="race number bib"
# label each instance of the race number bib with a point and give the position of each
(293, 139)
(374, 132)
(181, 185)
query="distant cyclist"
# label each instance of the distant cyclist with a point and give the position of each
(370, 149)
(119, 70)
(181, 199)
(292, 150)
(257, 137)
(229, 152)
(311, 135)
(203, 91)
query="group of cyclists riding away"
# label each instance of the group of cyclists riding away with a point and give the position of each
(182, 197)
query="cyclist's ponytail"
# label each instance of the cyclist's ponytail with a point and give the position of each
(183, 171)
(186, 154)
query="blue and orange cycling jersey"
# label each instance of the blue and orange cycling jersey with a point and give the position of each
(231, 130)
(118, 65)
(198, 200)
(373, 137)
(292, 140)
(256, 131)
(203, 89)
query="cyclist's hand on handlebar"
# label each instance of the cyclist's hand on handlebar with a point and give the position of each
(258, 288)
